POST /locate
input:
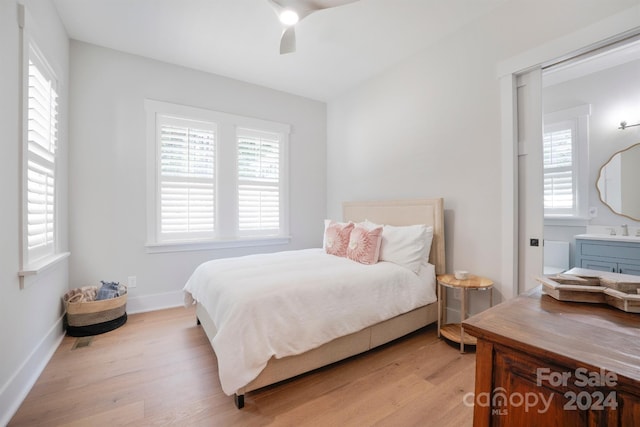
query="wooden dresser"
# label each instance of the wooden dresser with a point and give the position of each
(543, 362)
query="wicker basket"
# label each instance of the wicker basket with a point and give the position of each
(95, 317)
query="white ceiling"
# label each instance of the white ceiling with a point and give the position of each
(336, 48)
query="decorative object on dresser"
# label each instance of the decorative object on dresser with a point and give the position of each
(455, 331)
(581, 285)
(312, 276)
(544, 362)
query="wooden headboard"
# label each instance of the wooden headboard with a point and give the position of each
(405, 212)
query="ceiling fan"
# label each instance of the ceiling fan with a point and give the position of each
(291, 12)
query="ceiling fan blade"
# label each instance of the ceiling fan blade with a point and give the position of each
(302, 8)
(327, 4)
(299, 5)
(288, 41)
(277, 8)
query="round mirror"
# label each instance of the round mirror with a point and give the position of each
(618, 182)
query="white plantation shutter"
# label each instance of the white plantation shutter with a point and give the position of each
(40, 206)
(186, 179)
(559, 169)
(214, 180)
(42, 132)
(258, 182)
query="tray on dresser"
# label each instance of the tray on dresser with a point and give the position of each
(581, 285)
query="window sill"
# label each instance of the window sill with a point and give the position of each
(156, 248)
(31, 271)
(566, 221)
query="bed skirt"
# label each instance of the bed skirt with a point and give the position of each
(339, 349)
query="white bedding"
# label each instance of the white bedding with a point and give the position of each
(287, 303)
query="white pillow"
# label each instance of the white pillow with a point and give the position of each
(368, 224)
(406, 245)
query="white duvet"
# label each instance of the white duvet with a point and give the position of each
(287, 303)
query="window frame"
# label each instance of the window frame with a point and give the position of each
(226, 231)
(572, 169)
(576, 118)
(36, 261)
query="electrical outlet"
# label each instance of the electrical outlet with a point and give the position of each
(132, 282)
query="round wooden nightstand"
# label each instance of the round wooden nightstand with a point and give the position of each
(455, 331)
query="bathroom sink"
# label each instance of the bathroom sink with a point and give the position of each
(616, 238)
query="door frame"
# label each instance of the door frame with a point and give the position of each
(602, 33)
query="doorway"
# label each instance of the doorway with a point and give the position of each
(523, 240)
(584, 100)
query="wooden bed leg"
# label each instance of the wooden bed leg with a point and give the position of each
(198, 321)
(239, 400)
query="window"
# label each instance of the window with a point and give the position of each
(186, 176)
(559, 182)
(565, 159)
(258, 181)
(214, 179)
(39, 158)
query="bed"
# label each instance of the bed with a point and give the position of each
(336, 344)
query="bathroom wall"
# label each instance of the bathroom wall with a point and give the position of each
(614, 95)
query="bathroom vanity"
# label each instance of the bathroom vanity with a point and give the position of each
(617, 254)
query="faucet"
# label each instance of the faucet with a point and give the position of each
(625, 230)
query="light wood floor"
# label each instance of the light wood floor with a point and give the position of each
(159, 369)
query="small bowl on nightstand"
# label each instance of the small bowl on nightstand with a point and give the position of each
(461, 274)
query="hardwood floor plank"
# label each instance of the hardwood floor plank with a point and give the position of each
(159, 369)
(118, 416)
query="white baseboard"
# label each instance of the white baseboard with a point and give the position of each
(154, 302)
(15, 390)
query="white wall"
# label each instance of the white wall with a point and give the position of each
(31, 318)
(107, 166)
(430, 127)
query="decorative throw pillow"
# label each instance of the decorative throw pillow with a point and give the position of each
(327, 223)
(337, 238)
(364, 245)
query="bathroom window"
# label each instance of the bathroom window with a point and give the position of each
(565, 162)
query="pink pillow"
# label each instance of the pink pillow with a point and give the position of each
(337, 238)
(364, 245)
